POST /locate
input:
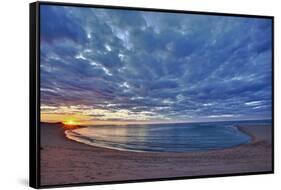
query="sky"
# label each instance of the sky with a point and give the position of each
(106, 66)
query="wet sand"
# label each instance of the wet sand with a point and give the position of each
(64, 161)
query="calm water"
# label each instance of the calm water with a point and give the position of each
(185, 137)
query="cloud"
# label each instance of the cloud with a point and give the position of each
(57, 24)
(160, 66)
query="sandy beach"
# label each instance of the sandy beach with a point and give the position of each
(64, 161)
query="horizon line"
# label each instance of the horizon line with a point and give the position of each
(59, 122)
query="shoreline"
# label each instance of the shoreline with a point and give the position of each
(256, 135)
(65, 161)
(242, 129)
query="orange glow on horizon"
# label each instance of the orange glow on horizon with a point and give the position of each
(79, 115)
(70, 122)
(71, 119)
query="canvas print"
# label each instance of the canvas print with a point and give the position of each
(139, 94)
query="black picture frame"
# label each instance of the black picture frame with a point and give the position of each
(34, 91)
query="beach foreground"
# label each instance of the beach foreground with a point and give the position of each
(64, 161)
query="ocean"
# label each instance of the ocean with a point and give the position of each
(175, 137)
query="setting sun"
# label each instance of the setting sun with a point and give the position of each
(70, 122)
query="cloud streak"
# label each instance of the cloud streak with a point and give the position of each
(155, 66)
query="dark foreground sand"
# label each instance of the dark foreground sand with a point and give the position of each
(64, 161)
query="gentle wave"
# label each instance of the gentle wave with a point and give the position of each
(186, 137)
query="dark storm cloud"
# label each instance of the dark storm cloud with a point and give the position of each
(174, 66)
